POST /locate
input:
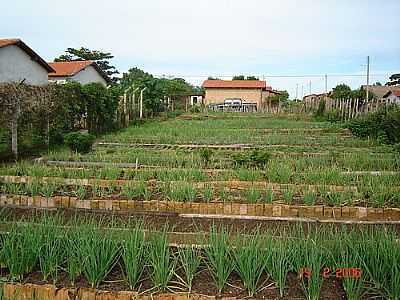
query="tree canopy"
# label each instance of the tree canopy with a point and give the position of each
(102, 59)
(394, 80)
(157, 88)
(242, 77)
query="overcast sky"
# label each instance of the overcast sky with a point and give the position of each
(195, 38)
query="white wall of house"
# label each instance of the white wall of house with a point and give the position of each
(16, 65)
(196, 100)
(89, 75)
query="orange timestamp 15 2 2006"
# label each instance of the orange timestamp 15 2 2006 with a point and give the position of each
(338, 273)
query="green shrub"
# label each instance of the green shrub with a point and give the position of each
(79, 142)
(383, 125)
(205, 155)
(255, 159)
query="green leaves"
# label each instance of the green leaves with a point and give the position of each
(219, 258)
(133, 255)
(190, 259)
(250, 258)
(161, 261)
(99, 252)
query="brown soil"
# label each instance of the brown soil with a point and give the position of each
(157, 221)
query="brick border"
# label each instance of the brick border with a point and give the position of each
(231, 184)
(318, 212)
(27, 291)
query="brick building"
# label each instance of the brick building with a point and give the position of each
(249, 91)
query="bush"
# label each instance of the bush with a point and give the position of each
(79, 142)
(205, 155)
(383, 125)
(255, 158)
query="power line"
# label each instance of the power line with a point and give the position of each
(275, 76)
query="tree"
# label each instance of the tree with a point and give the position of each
(282, 97)
(252, 78)
(238, 77)
(342, 91)
(377, 83)
(101, 59)
(394, 80)
(213, 78)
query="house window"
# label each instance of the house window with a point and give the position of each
(194, 100)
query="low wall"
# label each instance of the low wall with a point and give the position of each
(319, 212)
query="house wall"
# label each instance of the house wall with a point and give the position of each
(16, 65)
(218, 95)
(87, 75)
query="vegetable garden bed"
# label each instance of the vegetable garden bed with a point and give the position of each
(257, 265)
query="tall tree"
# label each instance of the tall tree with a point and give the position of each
(238, 77)
(252, 78)
(394, 80)
(101, 59)
(342, 91)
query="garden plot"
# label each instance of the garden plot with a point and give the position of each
(358, 264)
(293, 171)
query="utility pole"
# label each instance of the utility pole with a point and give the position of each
(297, 91)
(302, 91)
(310, 87)
(141, 102)
(367, 77)
(326, 86)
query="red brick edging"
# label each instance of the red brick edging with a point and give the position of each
(319, 212)
(17, 291)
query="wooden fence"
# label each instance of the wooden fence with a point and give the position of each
(346, 108)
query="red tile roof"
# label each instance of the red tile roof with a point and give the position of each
(244, 84)
(70, 68)
(396, 93)
(34, 56)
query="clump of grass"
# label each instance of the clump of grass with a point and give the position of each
(219, 259)
(288, 194)
(48, 190)
(81, 192)
(205, 156)
(20, 250)
(278, 265)
(51, 252)
(73, 266)
(269, 196)
(161, 261)
(190, 259)
(33, 188)
(101, 253)
(208, 193)
(309, 197)
(253, 195)
(250, 260)
(133, 254)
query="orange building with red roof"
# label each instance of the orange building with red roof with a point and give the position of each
(248, 91)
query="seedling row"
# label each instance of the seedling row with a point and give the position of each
(95, 256)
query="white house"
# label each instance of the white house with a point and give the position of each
(19, 63)
(84, 72)
(393, 97)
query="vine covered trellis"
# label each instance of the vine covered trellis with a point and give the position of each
(42, 114)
